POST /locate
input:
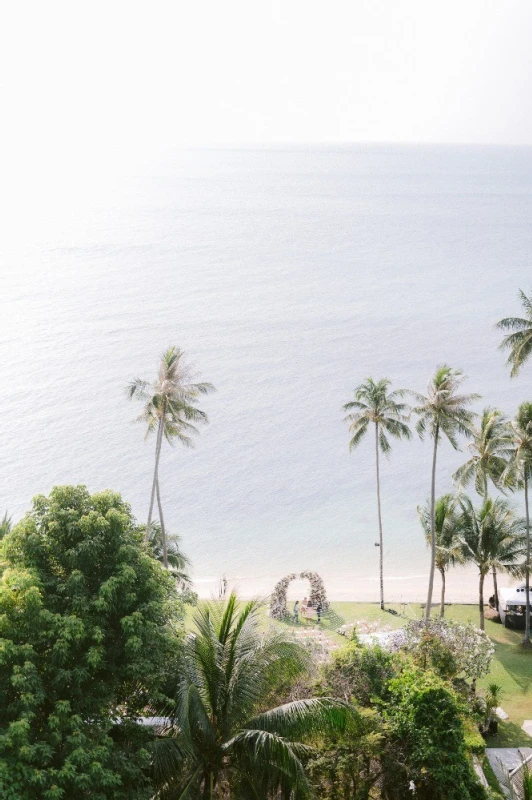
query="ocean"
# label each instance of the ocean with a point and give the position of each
(288, 275)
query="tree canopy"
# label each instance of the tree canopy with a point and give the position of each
(84, 615)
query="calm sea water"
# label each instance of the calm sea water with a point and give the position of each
(288, 276)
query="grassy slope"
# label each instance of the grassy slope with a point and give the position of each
(512, 668)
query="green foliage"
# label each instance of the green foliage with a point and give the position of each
(449, 648)
(424, 715)
(361, 673)
(373, 403)
(221, 733)
(518, 340)
(488, 453)
(474, 741)
(348, 765)
(84, 614)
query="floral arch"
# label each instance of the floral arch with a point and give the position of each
(318, 595)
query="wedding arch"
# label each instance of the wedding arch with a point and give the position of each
(318, 595)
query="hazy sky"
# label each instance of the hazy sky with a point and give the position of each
(89, 83)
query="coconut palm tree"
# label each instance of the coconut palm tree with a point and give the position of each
(442, 412)
(218, 735)
(170, 410)
(375, 406)
(487, 461)
(448, 544)
(519, 341)
(518, 475)
(491, 535)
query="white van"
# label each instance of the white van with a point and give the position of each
(512, 606)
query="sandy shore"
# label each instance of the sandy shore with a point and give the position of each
(461, 586)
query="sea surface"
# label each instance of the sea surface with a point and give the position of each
(288, 275)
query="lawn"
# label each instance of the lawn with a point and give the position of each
(511, 668)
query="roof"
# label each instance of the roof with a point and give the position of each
(515, 595)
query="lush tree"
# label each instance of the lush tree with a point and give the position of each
(518, 475)
(448, 545)
(490, 536)
(375, 406)
(220, 737)
(487, 461)
(519, 340)
(443, 411)
(170, 410)
(84, 640)
(424, 716)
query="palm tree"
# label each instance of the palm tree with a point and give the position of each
(519, 341)
(375, 405)
(487, 461)
(169, 409)
(490, 536)
(215, 737)
(448, 545)
(518, 474)
(443, 411)
(178, 562)
(5, 525)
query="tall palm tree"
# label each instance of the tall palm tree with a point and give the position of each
(448, 544)
(218, 734)
(487, 461)
(374, 405)
(518, 474)
(491, 535)
(519, 341)
(170, 410)
(442, 412)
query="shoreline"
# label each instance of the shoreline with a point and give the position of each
(461, 587)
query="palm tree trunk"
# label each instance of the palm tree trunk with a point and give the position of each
(432, 526)
(493, 568)
(495, 589)
(442, 601)
(481, 600)
(526, 640)
(381, 557)
(163, 529)
(158, 444)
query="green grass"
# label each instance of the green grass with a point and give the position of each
(511, 667)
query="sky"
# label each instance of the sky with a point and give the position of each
(90, 86)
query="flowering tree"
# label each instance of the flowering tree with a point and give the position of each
(318, 595)
(465, 648)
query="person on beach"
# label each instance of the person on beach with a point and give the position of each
(295, 617)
